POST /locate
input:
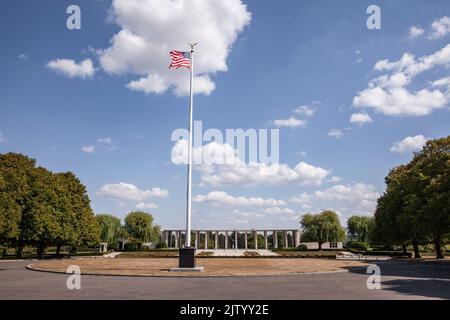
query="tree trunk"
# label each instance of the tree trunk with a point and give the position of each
(20, 247)
(320, 246)
(5, 249)
(437, 245)
(404, 248)
(416, 249)
(41, 250)
(58, 249)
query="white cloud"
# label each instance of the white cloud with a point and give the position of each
(23, 57)
(347, 200)
(304, 111)
(415, 31)
(222, 198)
(442, 82)
(291, 122)
(388, 95)
(440, 28)
(144, 205)
(128, 191)
(3, 138)
(149, 29)
(249, 214)
(107, 143)
(234, 171)
(357, 192)
(88, 149)
(278, 210)
(360, 118)
(84, 69)
(335, 179)
(303, 198)
(335, 133)
(409, 144)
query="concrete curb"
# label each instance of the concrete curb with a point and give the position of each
(199, 275)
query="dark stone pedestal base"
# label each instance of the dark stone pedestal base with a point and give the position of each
(187, 258)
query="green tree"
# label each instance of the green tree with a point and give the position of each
(110, 228)
(360, 228)
(139, 226)
(322, 227)
(415, 205)
(15, 193)
(431, 169)
(41, 208)
(83, 222)
(389, 207)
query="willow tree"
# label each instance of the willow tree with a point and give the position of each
(322, 227)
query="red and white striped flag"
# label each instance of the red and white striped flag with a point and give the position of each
(179, 59)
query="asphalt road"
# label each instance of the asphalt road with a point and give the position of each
(399, 280)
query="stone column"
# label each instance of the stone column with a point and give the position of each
(197, 239)
(226, 240)
(178, 238)
(275, 239)
(285, 238)
(166, 238)
(245, 239)
(296, 238)
(266, 242)
(216, 242)
(169, 239)
(235, 240)
(255, 236)
(206, 240)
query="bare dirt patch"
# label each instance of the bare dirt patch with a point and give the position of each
(213, 266)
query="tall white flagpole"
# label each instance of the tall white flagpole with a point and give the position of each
(189, 171)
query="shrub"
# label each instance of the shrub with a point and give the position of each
(131, 246)
(161, 245)
(302, 247)
(206, 254)
(251, 254)
(357, 245)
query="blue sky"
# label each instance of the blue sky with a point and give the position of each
(264, 59)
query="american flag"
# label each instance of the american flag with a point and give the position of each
(179, 59)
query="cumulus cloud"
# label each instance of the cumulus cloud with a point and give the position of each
(107, 143)
(388, 94)
(409, 144)
(127, 191)
(144, 206)
(88, 149)
(149, 29)
(302, 199)
(415, 31)
(290, 122)
(360, 118)
(222, 198)
(335, 133)
(442, 82)
(3, 139)
(441, 28)
(278, 210)
(357, 192)
(23, 57)
(249, 214)
(304, 111)
(217, 172)
(350, 199)
(68, 67)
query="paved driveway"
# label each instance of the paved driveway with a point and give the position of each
(400, 280)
